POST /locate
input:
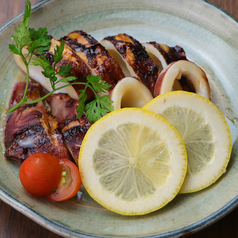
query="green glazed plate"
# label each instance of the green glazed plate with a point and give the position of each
(209, 37)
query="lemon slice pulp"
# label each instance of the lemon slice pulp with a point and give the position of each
(205, 133)
(132, 161)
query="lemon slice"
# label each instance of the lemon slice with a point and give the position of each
(205, 133)
(132, 161)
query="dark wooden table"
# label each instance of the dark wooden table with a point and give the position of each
(15, 225)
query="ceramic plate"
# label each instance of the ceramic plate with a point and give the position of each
(209, 38)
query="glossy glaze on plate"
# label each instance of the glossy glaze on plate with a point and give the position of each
(209, 38)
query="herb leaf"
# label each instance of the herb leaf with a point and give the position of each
(49, 71)
(82, 99)
(37, 43)
(14, 49)
(27, 13)
(98, 108)
(40, 42)
(97, 85)
(58, 52)
(22, 37)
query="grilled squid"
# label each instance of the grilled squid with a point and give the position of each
(130, 92)
(31, 129)
(36, 75)
(73, 129)
(191, 77)
(78, 69)
(95, 56)
(133, 58)
(163, 54)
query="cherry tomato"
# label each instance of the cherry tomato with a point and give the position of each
(70, 182)
(40, 174)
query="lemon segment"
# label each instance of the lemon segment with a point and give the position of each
(132, 161)
(205, 133)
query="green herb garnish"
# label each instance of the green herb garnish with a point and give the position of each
(38, 44)
(100, 106)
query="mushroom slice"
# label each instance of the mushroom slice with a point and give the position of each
(163, 54)
(37, 76)
(95, 56)
(133, 58)
(188, 73)
(130, 92)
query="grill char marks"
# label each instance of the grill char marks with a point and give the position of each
(42, 137)
(95, 56)
(64, 109)
(170, 54)
(140, 63)
(78, 67)
(73, 136)
(30, 129)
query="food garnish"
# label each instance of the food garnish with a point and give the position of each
(98, 107)
(205, 132)
(69, 184)
(37, 43)
(40, 174)
(43, 174)
(132, 161)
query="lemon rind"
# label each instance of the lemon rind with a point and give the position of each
(142, 206)
(216, 120)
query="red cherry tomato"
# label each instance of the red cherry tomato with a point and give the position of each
(70, 182)
(40, 174)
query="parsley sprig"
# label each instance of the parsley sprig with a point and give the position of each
(38, 44)
(100, 106)
(49, 71)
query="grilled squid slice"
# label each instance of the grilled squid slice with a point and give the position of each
(78, 68)
(95, 56)
(130, 92)
(133, 58)
(163, 54)
(30, 129)
(192, 78)
(73, 129)
(34, 92)
(37, 76)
